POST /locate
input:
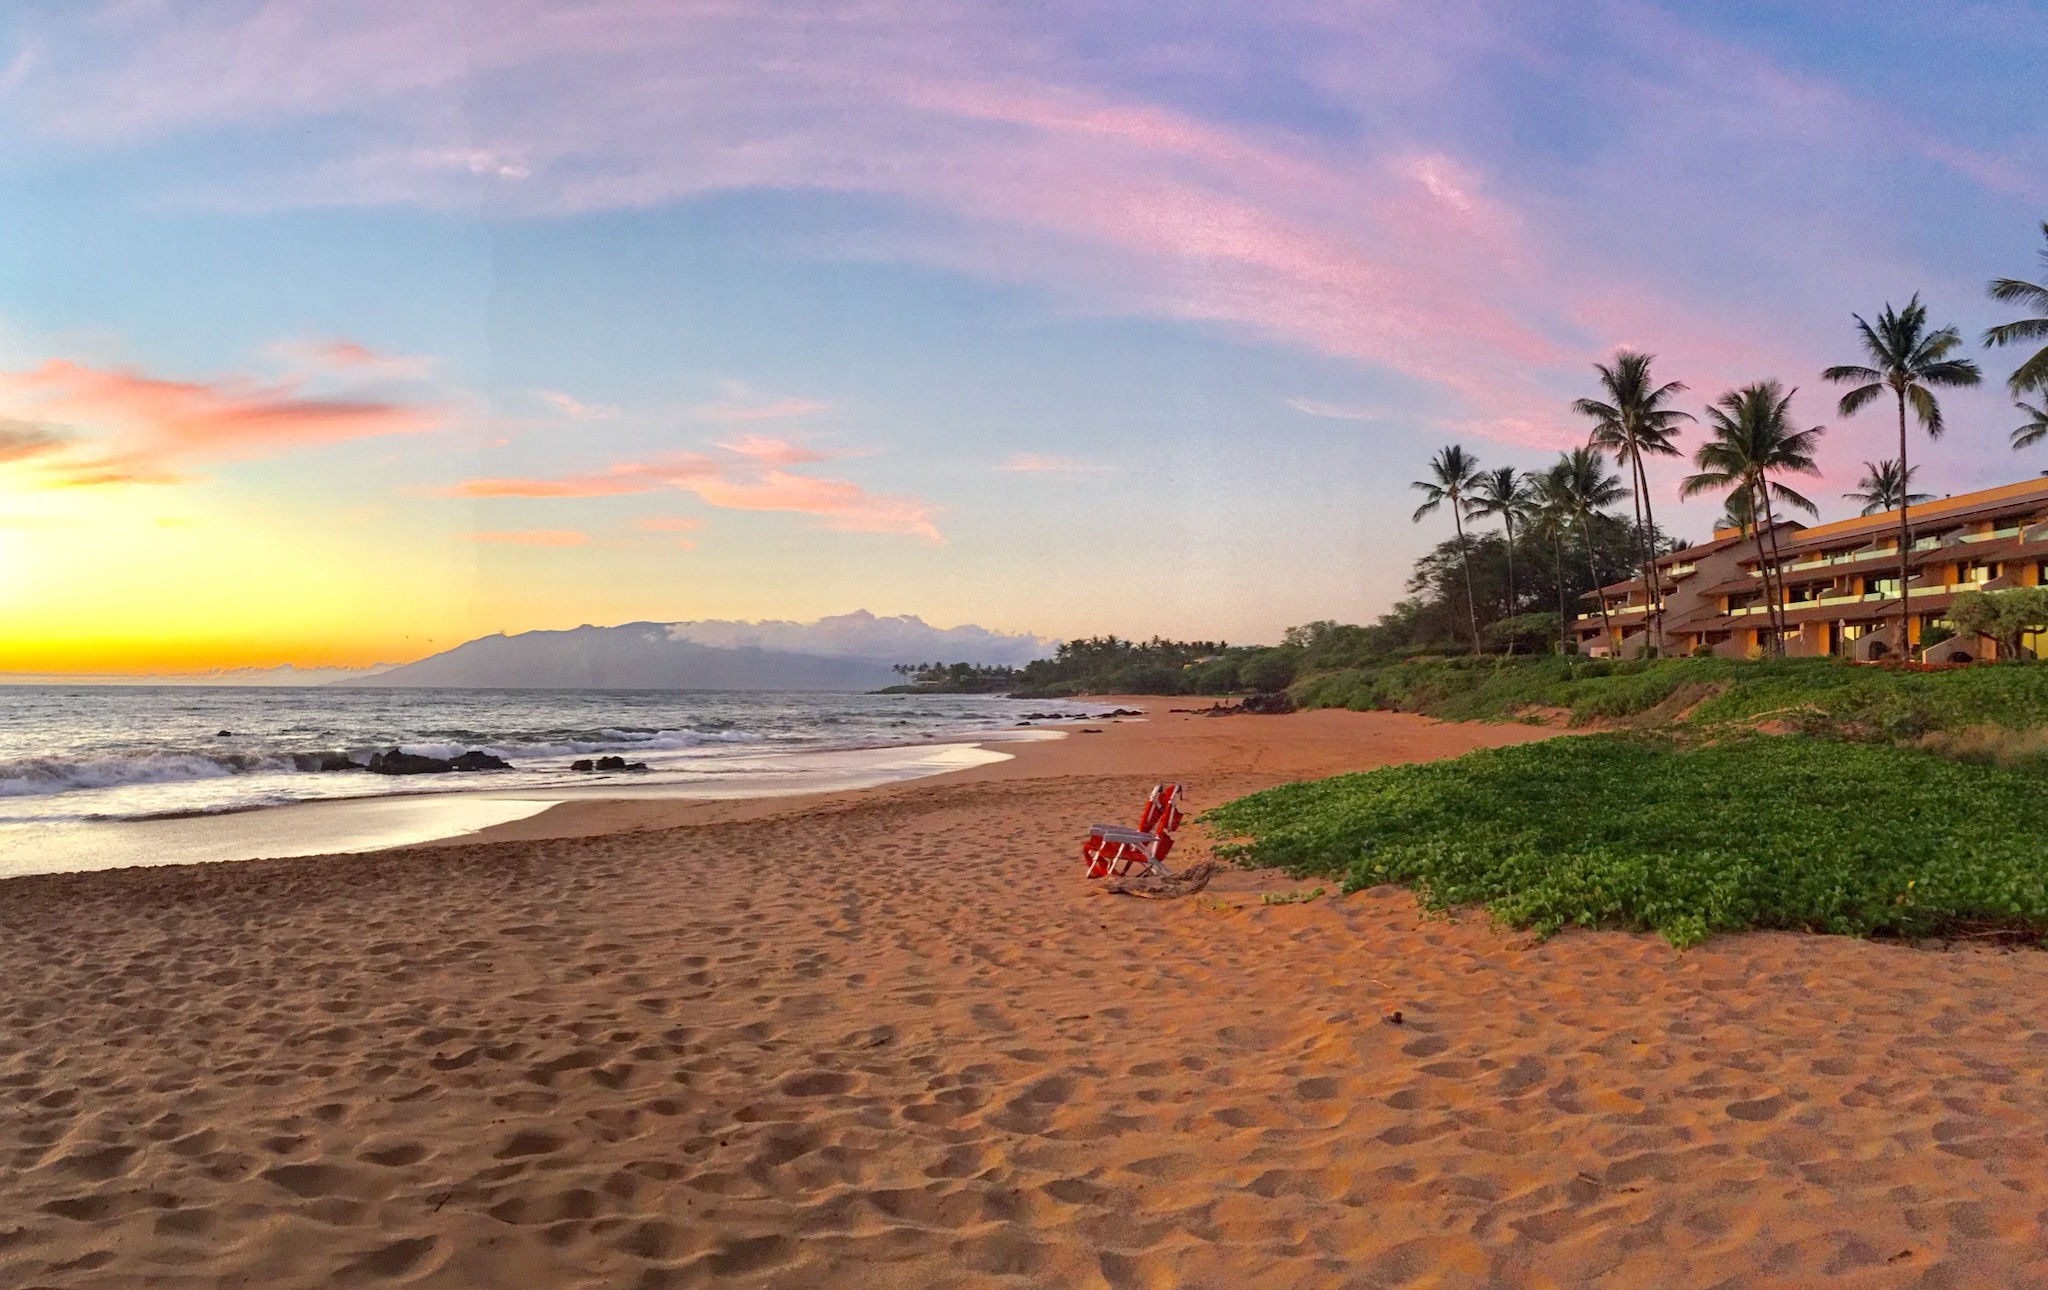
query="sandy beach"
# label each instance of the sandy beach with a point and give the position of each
(891, 1038)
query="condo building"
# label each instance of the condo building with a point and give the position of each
(1839, 583)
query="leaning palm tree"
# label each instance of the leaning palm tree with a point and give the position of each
(1589, 490)
(1636, 422)
(1502, 493)
(1453, 477)
(2036, 428)
(2032, 374)
(1551, 519)
(1906, 357)
(1750, 439)
(1883, 487)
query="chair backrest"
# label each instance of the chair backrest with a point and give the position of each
(1162, 810)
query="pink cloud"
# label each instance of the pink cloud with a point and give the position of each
(533, 537)
(750, 476)
(737, 410)
(143, 425)
(343, 356)
(575, 409)
(772, 452)
(669, 523)
(1031, 463)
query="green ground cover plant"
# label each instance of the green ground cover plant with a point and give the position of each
(1816, 693)
(1652, 832)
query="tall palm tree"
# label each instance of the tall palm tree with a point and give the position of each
(2032, 374)
(1589, 491)
(1881, 487)
(1750, 439)
(1502, 493)
(1906, 357)
(1453, 477)
(1551, 519)
(2036, 428)
(1636, 422)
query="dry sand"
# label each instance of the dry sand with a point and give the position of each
(890, 1039)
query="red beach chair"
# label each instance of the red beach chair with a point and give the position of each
(1112, 850)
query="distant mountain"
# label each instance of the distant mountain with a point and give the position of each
(849, 652)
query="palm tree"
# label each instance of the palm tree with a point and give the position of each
(1454, 476)
(1738, 513)
(1589, 490)
(1637, 422)
(1750, 440)
(1906, 357)
(1502, 493)
(1550, 521)
(1881, 485)
(2032, 374)
(2036, 428)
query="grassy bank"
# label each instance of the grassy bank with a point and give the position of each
(1813, 693)
(1641, 831)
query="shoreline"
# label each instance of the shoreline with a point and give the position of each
(891, 1036)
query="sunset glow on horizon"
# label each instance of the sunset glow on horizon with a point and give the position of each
(335, 336)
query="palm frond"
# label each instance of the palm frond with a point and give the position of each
(2013, 333)
(1951, 372)
(2036, 428)
(2030, 375)
(2013, 291)
(1790, 498)
(1855, 400)
(1927, 408)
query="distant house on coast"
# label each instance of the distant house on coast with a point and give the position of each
(1841, 581)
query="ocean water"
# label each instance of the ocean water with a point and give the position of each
(75, 755)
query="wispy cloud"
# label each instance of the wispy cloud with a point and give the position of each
(126, 426)
(1031, 463)
(1337, 411)
(339, 355)
(748, 476)
(575, 409)
(532, 537)
(742, 410)
(673, 525)
(20, 440)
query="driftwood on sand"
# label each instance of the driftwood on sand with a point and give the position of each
(1185, 883)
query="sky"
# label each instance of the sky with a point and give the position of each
(339, 334)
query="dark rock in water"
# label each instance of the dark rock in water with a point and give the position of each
(223, 734)
(405, 763)
(607, 763)
(324, 762)
(1123, 712)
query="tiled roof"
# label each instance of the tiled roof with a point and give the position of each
(1983, 504)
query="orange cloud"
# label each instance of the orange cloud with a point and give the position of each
(533, 537)
(20, 440)
(671, 470)
(149, 424)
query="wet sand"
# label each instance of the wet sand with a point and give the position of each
(890, 1039)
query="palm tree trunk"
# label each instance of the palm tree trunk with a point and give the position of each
(1777, 597)
(1509, 521)
(1557, 538)
(1656, 593)
(1635, 463)
(1763, 565)
(1593, 568)
(1905, 536)
(1465, 562)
